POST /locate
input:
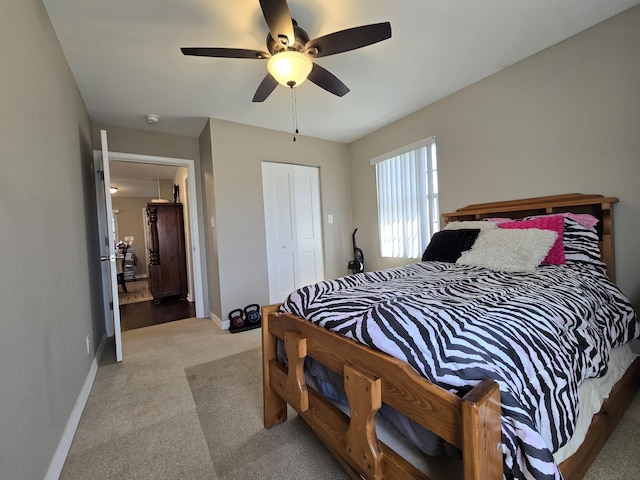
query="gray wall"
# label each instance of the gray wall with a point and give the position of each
(564, 120)
(50, 294)
(209, 201)
(237, 155)
(145, 142)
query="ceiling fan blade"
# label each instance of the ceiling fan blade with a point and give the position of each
(225, 52)
(265, 88)
(327, 80)
(349, 39)
(276, 14)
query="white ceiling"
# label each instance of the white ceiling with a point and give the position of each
(125, 56)
(139, 179)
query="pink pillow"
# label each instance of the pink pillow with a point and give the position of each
(553, 222)
(584, 219)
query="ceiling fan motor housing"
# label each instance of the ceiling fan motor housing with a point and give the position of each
(276, 46)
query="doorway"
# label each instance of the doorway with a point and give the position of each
(135, 298)
(136, 314)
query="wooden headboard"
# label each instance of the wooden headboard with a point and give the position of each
(597, 205)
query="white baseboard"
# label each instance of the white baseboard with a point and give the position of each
(57, 462)
(222, 324)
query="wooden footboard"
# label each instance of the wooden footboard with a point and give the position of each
(370, 378)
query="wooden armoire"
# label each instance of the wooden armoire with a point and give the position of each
(167, 253)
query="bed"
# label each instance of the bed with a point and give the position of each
(468, 416)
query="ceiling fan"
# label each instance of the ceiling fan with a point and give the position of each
(290, 52)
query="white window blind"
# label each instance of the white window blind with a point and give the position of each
(408, 213)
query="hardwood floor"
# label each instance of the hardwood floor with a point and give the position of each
(145, 314)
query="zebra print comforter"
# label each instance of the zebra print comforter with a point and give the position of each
(538, 334)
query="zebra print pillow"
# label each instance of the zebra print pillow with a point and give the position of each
(581, 245)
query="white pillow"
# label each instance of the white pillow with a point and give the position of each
(510, 250)
(481, 224)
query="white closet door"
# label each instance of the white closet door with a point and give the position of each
(293, 227)
(306, 185)
(279, 225)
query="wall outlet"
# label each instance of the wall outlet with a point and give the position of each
(88, 345)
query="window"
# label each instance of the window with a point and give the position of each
(408, 213)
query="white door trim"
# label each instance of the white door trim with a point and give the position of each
(193, 214)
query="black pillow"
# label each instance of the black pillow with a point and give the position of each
(448, 245)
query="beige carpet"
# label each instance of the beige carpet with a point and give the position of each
(140, 420)
(137, 291)
(228, 398)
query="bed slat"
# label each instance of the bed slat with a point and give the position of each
(365, 399)
(297, 394)
(274, 405)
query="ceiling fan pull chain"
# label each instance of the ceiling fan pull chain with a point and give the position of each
(294, 112)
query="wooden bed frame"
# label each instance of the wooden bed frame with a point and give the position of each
(471, 423)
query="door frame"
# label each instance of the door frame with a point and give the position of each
(193, 215)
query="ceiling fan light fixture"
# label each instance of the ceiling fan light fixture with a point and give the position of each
(291, 52)
(290, 67)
